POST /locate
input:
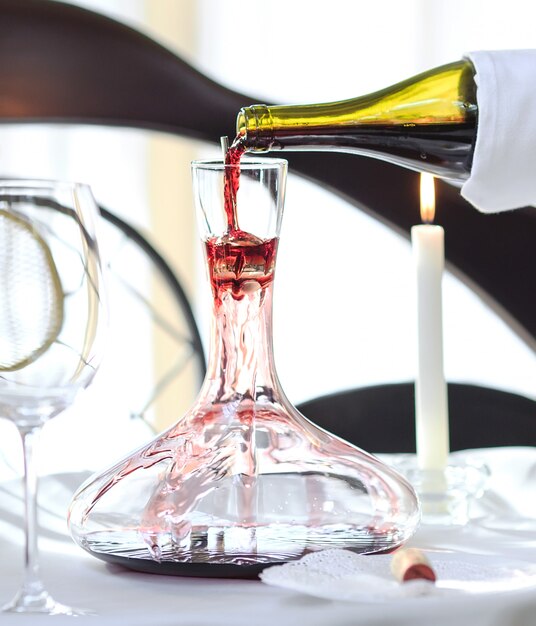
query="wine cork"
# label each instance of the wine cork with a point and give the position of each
(411, 564)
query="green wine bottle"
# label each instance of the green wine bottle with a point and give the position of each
(426, 123)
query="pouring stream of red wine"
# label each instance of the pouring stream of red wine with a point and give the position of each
(232, 182)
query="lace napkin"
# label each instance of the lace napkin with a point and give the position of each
(343, 575)
(502, 174)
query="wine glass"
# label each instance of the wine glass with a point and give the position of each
(51, 313)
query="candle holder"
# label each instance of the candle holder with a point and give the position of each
(445, 494)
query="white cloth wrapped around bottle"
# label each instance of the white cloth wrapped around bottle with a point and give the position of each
(503, 174)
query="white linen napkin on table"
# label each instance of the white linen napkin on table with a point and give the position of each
(503, 174)
(342, 575)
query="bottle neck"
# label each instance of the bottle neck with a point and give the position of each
(256, 127)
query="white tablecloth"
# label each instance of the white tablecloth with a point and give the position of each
(504, 525)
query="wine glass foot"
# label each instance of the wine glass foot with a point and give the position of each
(42, 603)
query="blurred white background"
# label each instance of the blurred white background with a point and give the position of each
(360, 330)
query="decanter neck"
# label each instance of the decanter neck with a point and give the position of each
(241, 363)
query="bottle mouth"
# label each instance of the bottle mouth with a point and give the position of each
(255, 127)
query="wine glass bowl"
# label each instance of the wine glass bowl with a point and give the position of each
(51, 312)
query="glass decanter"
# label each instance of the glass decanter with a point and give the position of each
(242, 480)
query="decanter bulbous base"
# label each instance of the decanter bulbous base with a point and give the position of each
(243, 485)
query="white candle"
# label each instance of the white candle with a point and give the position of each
(431, 404)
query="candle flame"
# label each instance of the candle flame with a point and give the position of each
(427, 198)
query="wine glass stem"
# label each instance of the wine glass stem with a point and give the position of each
(32, 583)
